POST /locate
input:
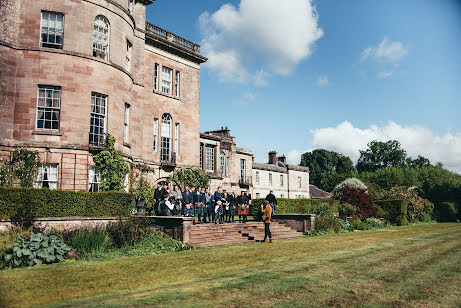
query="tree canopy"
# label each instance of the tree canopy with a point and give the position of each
(381, 155)
(323, 163)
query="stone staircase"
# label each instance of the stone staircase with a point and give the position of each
(232, 233)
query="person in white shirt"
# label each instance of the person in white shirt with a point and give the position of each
(166, 206)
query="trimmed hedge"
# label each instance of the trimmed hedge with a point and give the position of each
(446, 211)
(63, 203)
(394, 211)
(323, 207)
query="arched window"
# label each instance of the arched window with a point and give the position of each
(165, 150)
(101, 34)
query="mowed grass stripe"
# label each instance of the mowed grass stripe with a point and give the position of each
(233, 275)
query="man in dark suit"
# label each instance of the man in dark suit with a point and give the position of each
(272, 201)
(187, 199)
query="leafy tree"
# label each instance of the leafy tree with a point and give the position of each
(322, 164)
(112, 166)
(360, 199)
(381, 155)
(22, 166)
(418, 162)
(355, 183)
(190, 177)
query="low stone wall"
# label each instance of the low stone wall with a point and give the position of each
(299, 222)
(177, 227)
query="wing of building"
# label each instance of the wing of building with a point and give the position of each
(234, 169)
(74, 71)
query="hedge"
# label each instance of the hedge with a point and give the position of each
(321, 207)
(62, 203)
(446, 211)
(394, 211)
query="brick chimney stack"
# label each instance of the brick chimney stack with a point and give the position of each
(282, 159)
(273, 158)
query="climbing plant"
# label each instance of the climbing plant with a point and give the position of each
(112, 166)
(20, 168)
(190, 177)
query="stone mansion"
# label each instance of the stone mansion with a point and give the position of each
(73, 71)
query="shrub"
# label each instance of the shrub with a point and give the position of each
(339, 189)
(61, 203)
(323, 223)
(36, 249)
(88, 240)
(347, 210)
(126, 232)
(374, 223)
(346, 225)
(416, 205)
(445, 211)
(8, 239)
(321, 207)
(360, 225)
(394, 211)
(360, 199)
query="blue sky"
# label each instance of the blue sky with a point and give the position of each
(328, 74)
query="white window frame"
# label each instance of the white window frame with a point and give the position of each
(176, 138)
(257, 177)
(126, 124)
(165, 137)
(281, 180)
(156, 76)
(201, 156)
(49, 32)
(94, 179)
(258, 195)
(270, 179)
(95, 113)
(243, 171)
(49, 170)
(227, 165)
(128, 55)
(176, 82)
(282, 196)
(155, 143)
(100, 47)
(299, 182)
(48, 105)
(222, 160)
(167, 80)
(209, 158)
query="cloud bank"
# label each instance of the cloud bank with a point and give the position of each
(272, 34)
(416, 140)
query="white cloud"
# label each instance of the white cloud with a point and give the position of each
(386, 51)
(272, 34)
(385, 74)
(416, 140)
(322, 81)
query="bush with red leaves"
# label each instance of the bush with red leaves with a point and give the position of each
(360, 199)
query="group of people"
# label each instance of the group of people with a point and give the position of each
(217, 208)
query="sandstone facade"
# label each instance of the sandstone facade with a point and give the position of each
(126, 77)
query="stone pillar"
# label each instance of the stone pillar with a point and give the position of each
(186, 229)
(309, 223)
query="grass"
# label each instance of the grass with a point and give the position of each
(411, 266)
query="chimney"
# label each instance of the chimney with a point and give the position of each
(283, 159)
(273, 158)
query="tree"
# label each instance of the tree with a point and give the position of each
(381, 155)
(22, 166)
(322, 164)
(190, 177)
(418, 162)
(112, 166)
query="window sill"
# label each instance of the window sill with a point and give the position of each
(127, 145)
(45, 132)
(167, 95)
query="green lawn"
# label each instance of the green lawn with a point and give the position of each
(412, 266)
